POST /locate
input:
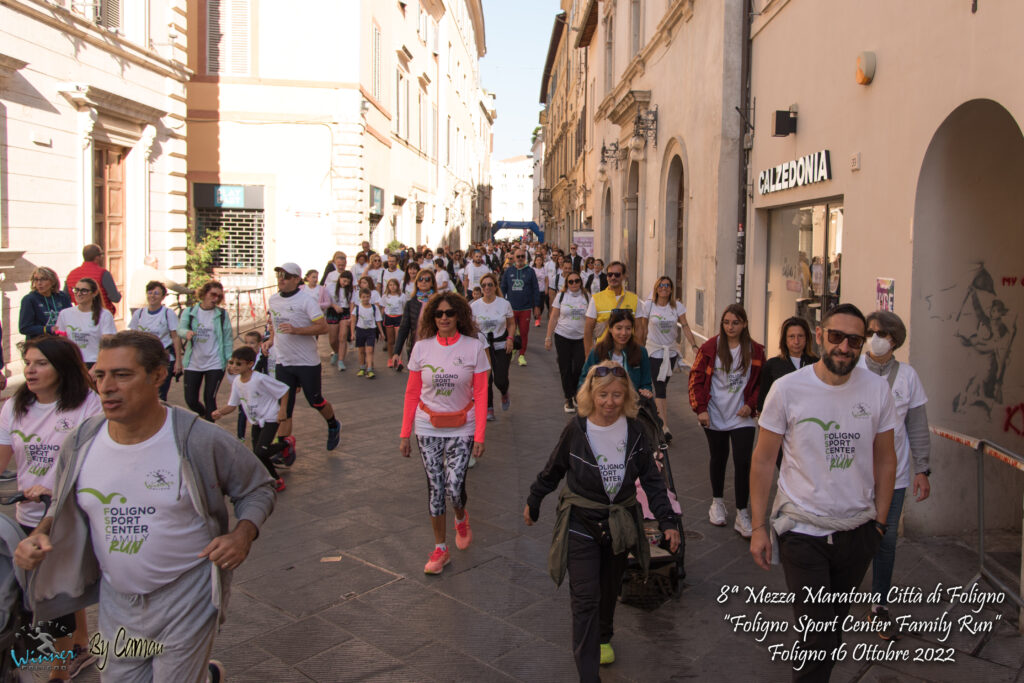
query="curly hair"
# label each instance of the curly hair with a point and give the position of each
(463, 315)
(592, 384)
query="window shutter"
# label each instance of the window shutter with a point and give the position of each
(227, 37)
(109, 14)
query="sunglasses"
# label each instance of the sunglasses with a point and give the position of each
(836, 337)
(604, 371)
(80, 291)
(611, 274)
(879, 333)
(423, 279)
(487, 284)
(445, 313)
(664, 285)
(574, 281)
(520, 258)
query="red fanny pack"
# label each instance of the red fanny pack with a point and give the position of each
(447, 420)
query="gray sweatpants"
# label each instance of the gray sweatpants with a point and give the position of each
(177, 621)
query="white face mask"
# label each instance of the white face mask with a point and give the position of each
(878, 345)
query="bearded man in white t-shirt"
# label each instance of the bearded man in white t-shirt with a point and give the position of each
(835, 424)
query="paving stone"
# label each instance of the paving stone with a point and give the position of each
(439, 662)
(353, 660)
(301, 640)
(538, 660)
(387, 633)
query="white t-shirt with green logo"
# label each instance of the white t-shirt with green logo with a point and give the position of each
(727, 394)
(159, 323)
(609, 447)
(828, 440)
(80, 328)
(145, 529)
(298, 311)
(492, 317)
(447, 373)
(572, 313)
(662, 322)
(205, 349)
(259, 397)
(35, 439)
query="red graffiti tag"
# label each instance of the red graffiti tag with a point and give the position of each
(1014, 425)
(1010, 281)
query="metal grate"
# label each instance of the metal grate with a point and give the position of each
(241, 250)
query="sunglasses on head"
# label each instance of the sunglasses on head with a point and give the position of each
(836, 337)
(604, 371)
(445, 313)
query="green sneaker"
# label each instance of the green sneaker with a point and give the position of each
(361, 372)
(522, 361)
(370, 374)
(607, 653)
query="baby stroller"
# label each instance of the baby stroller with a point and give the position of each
(14, 615)
(666, 571)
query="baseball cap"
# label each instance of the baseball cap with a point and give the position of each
(290, 268)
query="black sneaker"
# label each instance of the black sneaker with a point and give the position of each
(216, 672)
(888, 629)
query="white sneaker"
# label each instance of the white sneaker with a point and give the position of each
(717, 513)
(742, 524)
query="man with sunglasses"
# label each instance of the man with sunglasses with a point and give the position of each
(835, 424)
(296, 321)
(519, 285)
(614, 297)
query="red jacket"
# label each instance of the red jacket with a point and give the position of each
(704, 368)
(94, 272)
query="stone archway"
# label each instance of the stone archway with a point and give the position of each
(673, 254)
(967, 310)
(630, 226)
(606, 227)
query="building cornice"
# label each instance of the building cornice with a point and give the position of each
(625, 110)
(90, 97)
(8, 65)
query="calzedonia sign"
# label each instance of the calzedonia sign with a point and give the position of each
(813, 168)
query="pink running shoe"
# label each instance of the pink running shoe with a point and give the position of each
(463, 534)
(438, 559)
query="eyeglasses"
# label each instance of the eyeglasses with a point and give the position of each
(80, 291)
(611, 274)
(487, 284)
(574, 281)
(41, 279)
(445, 313)
(836, 337)
(519, 257)
(604, 371)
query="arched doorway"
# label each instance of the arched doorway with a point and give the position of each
(672, 255)
(630, 224)
(606, 227)
(967, 310)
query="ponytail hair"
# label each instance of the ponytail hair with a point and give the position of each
(97, 299)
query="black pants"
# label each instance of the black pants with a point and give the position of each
(839, 566)
(210, 380)
(165, 387)
(500, 360)
(595, 575)
(570, 363)
(264, 447)
(742, 446)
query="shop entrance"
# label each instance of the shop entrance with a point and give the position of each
(805, 252)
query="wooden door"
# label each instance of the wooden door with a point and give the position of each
(108, 213)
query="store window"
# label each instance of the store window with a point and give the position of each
(805, 251)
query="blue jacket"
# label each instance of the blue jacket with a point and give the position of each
(519, 286)
(639, 375)
(35, 318)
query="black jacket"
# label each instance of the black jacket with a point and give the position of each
(573, 459)
(602, 278)
(410, 324)
(777, 367)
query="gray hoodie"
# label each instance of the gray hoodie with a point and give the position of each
(213, 464)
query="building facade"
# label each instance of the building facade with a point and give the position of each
(537, 157)
(513, 189)
(92, 141)
(894, 184)
(314, 136)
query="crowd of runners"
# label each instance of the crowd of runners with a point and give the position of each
(138, 517)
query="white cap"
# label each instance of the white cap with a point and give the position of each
(290, 268)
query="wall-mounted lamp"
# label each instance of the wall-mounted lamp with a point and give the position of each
(784, 122)
(610, 152)
(865, 68)
(646, 124)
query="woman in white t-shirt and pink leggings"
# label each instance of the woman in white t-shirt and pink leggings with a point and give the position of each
(446, 400)
(724, 383)
(57, 397)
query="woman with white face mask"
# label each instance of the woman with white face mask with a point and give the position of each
(886, 333)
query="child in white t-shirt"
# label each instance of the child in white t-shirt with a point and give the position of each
(263, 400)
(368, 322)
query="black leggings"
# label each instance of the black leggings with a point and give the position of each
(570, 363)
(742, 446)
(211, 380)
(500, 360)
(264, 447)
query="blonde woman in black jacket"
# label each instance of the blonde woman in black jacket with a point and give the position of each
(601, 453)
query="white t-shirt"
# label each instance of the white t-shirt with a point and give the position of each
(828, 440)
(259, 397)
(907, 393)
(341, 299)
(205, 349)
(410, 289)
(375, 274)
(727, 394)
(313, 292)
(35, 439)
(145, 528)
(397, 274)
(661, 327)
(551, 268)
(358, 271)
(299, 311)
(366, 317)
(609, 446)
(159, 323)
(474, 273)
(542, 277)
(447, 373)
(572, 309)
(393, 304)
(443, 280)
(491, 317)
(79, 328)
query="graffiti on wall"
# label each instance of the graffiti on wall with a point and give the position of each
(986, 328)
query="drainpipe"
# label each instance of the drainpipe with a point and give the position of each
(744, 166)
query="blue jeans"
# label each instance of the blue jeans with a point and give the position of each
(885, 558)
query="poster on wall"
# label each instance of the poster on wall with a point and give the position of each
(885, 294)
(584, 241)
